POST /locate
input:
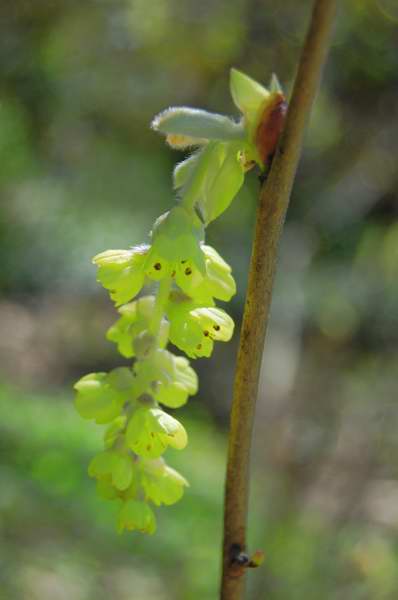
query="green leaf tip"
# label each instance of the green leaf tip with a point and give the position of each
(275, 86)
(247, 94)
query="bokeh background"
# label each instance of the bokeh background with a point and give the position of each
(80, 172)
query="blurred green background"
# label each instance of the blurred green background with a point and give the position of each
(80, 172)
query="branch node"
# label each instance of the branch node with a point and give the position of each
(240, 560)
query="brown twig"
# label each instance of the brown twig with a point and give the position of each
(273, 204)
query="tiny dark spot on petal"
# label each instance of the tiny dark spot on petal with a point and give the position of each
(157, 266)
(188, 271)
(216, 327)
(206, 333)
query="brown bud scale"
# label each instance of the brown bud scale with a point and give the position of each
(270, 126)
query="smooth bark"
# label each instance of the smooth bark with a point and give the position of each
(272, 207)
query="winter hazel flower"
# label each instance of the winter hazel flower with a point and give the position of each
(121, 272)
(194, 330)
(175, 386)
(113, 467)
(135, 322)
(167, 378)
(218, 281)
(101, 396)
(187, 277)
(136, 515)
(162, 485)
(175, 250)
(151, 430)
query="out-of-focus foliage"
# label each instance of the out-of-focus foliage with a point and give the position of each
(81, 171)
(60, 538)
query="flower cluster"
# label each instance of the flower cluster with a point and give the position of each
(188, 277)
